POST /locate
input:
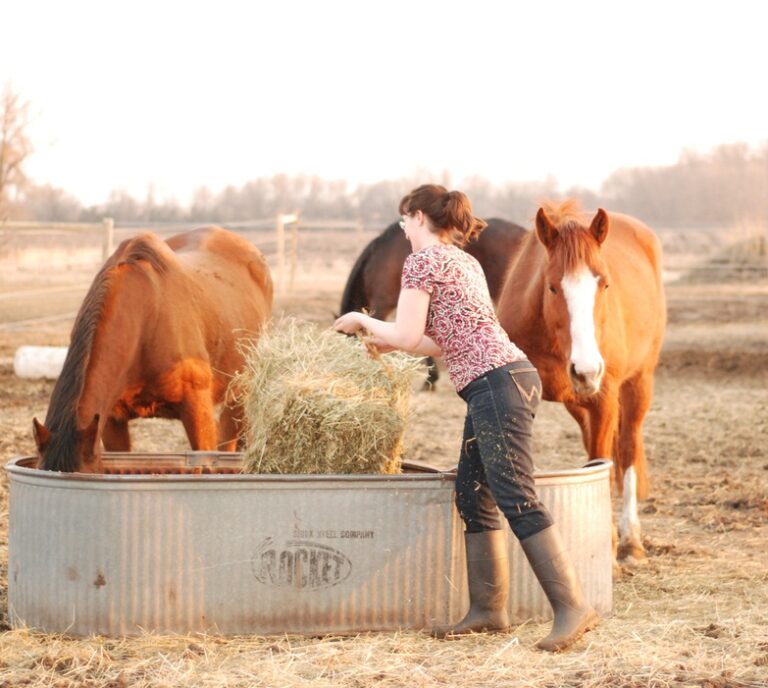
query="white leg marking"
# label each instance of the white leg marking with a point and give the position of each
(579, 291)
(629, 524)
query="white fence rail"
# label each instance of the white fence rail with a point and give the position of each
(45, 272)
(106, 226)
(58, 277)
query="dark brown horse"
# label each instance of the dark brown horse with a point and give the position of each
(374, 281)
(156, 336)
(584, 299)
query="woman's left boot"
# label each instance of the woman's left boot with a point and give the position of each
(488, 581)
(574, 616)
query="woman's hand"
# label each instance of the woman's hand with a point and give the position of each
(349, 323)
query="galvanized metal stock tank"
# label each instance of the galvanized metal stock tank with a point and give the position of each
(200, 547)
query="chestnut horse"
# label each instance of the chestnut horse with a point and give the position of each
(374, 281)
(584, 299)
(156, 336)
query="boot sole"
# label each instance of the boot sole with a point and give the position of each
(591, 623)
(458, 635)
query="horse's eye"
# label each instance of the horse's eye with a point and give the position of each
(606, 285)
(553, 288)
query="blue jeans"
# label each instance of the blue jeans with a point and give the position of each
(496, 465)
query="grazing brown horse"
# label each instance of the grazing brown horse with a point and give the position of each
(156, 336)
(374, 281)
(583, 298)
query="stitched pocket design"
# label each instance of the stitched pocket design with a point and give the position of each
(532, 392)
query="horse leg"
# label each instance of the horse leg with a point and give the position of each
(581, 416)
(115, 435)
(603, 410)
(229, 428)
(636, 396)
(199, 422)
(603, 417)
(432, 374)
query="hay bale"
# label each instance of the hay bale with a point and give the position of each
(315, 402)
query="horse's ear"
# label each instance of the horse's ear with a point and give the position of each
(600, 225)
(42, 435)
(545, 230)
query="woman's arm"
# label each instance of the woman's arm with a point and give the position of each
(406, 332)
(426, 346)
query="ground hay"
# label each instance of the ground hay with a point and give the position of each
(316, 402)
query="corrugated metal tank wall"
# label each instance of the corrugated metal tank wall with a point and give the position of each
(239, 554)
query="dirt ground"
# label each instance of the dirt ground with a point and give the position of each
(695, 615)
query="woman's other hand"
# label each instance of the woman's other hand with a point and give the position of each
(349, 323)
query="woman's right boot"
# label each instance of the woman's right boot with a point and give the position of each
(488, 579)
(574, 616)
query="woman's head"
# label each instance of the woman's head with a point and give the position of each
(449, 212)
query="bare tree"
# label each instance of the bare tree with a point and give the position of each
(14, 147)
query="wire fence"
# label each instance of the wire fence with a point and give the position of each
(46, 269)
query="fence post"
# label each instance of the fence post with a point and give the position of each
(282, 220)
(108, 241)
(280, 239)
(294, 251)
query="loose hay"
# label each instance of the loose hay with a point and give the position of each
(316, 402)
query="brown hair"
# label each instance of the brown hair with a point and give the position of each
(450, 212)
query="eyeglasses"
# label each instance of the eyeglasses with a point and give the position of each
(402, 222)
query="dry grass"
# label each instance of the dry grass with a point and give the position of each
(315, 402)
(674, 637)
(695, 616)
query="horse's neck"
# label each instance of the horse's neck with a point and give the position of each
(523, 298)
(115, 349)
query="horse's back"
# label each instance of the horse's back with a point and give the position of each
(634, 255)
(219, 291)
(494, 249)
(374, 281)
(634, 233)
(209, 250)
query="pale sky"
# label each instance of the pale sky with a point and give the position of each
(185, 94)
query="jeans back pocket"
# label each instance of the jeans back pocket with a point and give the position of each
(528, 383)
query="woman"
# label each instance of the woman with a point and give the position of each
(444, 309)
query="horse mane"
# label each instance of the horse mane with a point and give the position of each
(576, 246)
(353, 296)
(61, 418)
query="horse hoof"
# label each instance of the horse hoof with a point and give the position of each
(632, 555)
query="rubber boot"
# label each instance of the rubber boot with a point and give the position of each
(574, 616)
(488, 580)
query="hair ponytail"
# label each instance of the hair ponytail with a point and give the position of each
(450, 212)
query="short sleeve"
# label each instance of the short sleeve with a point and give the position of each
(418, 273)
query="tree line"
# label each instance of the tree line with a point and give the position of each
(725, 185)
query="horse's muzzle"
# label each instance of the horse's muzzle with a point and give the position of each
(586, 384)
